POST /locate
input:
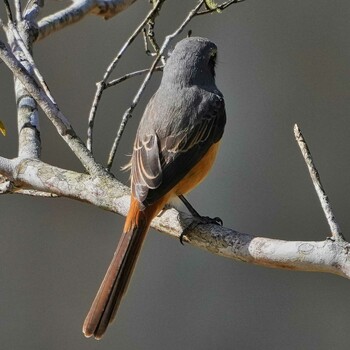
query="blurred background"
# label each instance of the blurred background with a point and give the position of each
(280, 63)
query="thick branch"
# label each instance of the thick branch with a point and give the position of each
(29, 143)
(107, 193)
(325, 256)
(102, 191)
(77, 11)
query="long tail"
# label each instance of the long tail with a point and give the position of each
(115, 282)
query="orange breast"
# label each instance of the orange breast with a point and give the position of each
(197, 173)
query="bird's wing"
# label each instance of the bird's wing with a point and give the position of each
(159, 163)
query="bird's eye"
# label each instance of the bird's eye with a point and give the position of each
(212, 62)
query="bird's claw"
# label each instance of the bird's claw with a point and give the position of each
(200, 220)
(217, 221)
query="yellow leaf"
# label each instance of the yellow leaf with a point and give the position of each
(212, 5)
(2, 128)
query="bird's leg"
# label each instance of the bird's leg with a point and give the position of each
(197, 218)
(196, 215)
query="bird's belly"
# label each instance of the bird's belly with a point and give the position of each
(198, 172)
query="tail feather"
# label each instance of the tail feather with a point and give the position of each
(115, 282)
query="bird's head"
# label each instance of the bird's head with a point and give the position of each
(192, 62)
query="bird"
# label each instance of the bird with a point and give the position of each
(176, 143)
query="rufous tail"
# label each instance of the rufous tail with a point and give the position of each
(115, 282)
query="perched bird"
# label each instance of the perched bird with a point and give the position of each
(176, 144)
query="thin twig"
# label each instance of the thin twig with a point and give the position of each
(128, 113)
(219, 8)
(110, 68)
(32, 10)
(145, 43)
(149, 36)
(8, 10)
(58, 119)
(315, 177)
(19, 15)
(12, 26)
(131, 75)
(30, 60)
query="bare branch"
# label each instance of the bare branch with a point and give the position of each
(315, 177)
(8, 10)
(32, 9)
(324, 256)
(331, 256)
(131, 75)
(102, 84)
(102, 191)
(33, 88)
(29, 143)
(19, 15)
(128, 113)
(149, 36)
(29, 58)
(61, 123)
(77, 11)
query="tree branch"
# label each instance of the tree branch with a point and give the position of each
(61, 123)
(18, 6)
(131, 75)
(8, 10)
(77, 11)
(315, 177)
(101, 86)
(324, 256)
(29, 143)
(102, 191)
(107, 193)
(12, 30)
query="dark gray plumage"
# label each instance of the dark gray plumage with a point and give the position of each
(193, 119)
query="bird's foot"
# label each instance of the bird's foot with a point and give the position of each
(197, 219)
(200, 220)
